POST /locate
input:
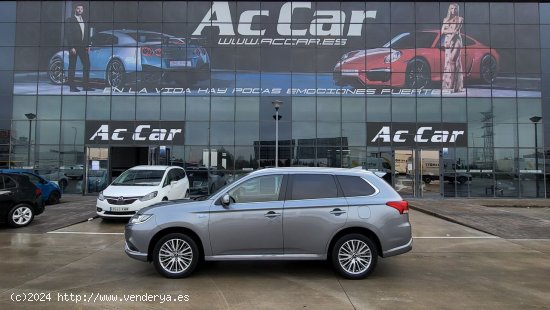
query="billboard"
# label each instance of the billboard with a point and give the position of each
(281, 49)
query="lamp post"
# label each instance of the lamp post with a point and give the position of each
(30, 117)
(277, 104)
(74, 139)
(535, 120)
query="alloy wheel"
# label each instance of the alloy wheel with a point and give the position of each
(56, 73)
(354, 256)
(22, 215)
(175, 255)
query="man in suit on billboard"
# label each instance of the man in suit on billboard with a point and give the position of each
(77, 39)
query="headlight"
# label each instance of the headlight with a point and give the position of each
(100, 197)
(393, 56)
(149, 196)
(139, 218)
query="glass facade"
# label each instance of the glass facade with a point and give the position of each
(445, 103)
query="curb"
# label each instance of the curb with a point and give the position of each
(449, 219)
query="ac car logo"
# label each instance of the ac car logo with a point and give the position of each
(411, 134)
(134, 133)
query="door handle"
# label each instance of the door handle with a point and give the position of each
(272, 214)
(337, 211)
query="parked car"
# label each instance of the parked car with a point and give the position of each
(156, 57)
(139, 187)
(20, 200)
(73, 172)
(56, 176)
(203, 180)
(97, 180)
(51, 192)
(349, 216)
(413, 60)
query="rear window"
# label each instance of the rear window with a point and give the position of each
(9, 182)
(313, 186)
(355, 186)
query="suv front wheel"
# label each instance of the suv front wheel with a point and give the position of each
(354, 256)
(176, 255)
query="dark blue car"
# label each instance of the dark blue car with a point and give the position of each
(51, 192)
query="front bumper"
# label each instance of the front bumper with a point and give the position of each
(104, 209)
(135, 254)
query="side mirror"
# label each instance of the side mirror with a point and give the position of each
(226, 200)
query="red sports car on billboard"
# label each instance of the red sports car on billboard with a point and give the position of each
(399, 64)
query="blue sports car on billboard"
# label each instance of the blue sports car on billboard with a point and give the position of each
(118, 56)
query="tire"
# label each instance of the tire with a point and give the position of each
(56, 72)
(427, 180)
(462, 180)
(20, 215)
(115, 74)
(418, 74)
(488, 69)
(54, 197)
(187, 257)
(351, 267)
(164, 199)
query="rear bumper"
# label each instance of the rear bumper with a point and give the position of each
(39, 206)
(399, 250)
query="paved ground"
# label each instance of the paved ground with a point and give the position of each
(450, 267)
(506, 218)
(72, 209)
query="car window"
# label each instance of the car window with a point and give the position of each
(264, 188)
(9, 182)
(425, 39)
(139, 178)
(170, 176)
(468, 41)
(104, 39)
(355, 186)
(33, 178)
(313, 186)
(178, 174)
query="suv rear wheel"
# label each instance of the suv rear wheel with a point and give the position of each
(354, 256)
(20, 215)
(176, 256)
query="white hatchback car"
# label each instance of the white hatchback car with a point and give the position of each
(140, 187)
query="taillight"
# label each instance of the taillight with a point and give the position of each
(149, 51)
(401, 206)
(37, 192)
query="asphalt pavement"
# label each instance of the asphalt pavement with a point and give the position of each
(505, 218)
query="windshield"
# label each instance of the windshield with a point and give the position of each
(406, 40)
(139, 178)
(145, 37)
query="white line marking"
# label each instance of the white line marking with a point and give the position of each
(487, 237)
(82, 233)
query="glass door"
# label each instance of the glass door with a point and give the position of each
(96, 177)
(404, 172)
(428, 174)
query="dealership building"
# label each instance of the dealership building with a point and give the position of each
(449, 99)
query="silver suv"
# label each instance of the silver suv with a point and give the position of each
(348, 216)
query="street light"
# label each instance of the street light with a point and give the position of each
(30, 117)
(74, 139)
(535, 120)
(277, 104)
